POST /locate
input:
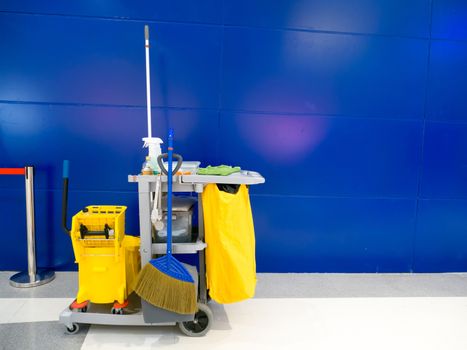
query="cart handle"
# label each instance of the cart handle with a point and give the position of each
(66, 170)
(166, 155)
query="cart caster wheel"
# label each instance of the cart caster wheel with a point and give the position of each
(117, 308)
(73, 329)
(117, 311)
(79, 307)
(200, 325)
(83, 309)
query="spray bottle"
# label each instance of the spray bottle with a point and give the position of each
(154, 146)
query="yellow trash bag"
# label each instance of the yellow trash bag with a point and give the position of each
(230, 238)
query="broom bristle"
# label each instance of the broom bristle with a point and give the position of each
(166, 292)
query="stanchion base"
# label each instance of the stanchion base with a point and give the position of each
(22, 279)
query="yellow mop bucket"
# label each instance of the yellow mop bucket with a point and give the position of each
(108, 260)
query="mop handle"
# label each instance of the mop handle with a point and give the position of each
(169, 191)
(148, 79)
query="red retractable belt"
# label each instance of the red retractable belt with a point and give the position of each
(12, 171)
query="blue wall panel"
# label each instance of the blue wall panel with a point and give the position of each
(304, 155)
(103, 143)
(299, 72)
(445, 156)
(449, 19)
(396, 17)
(441, 236)
(89, 61)
(333, 234)
(13, 251)
(353, 111)
(448, 81)
(204, 11)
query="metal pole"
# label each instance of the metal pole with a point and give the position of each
(32, 277)
(148, 80)
(30, 223)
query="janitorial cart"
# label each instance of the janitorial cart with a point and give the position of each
(134, 311)
(111, 262)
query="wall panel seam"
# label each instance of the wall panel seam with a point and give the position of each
(422, 145)
(211, 24)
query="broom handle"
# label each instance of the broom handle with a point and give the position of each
(169, 192)
(148, 80)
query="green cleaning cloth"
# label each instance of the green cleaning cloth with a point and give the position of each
(218, 170)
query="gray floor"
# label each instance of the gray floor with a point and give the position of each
(50, 335)
(39, 336)
(65, 285)
(292, 285)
